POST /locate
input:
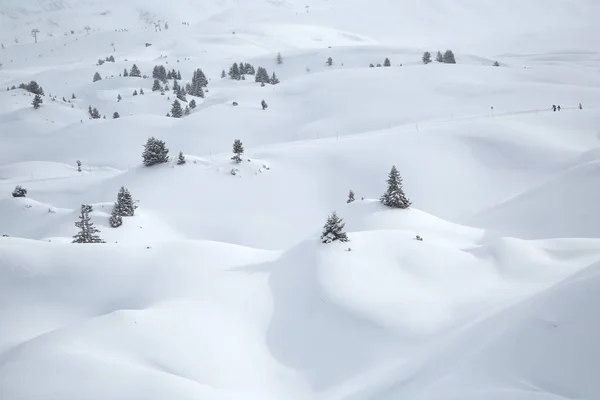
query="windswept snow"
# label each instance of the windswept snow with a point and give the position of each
(219, 287)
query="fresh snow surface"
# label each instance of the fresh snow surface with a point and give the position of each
(218, 287)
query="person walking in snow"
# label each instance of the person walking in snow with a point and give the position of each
(553, 107)
(580, 106)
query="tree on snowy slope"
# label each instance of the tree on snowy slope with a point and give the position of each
(274, 80)
(238, 150)
(439, 57)
(234, 72)
(448, 57)
(124, 205)
(135, 71)
(87, 231)
(156, 86)
(334, 230)
(115, 220)
(193, 104)
(181, 94)
(394, 196)
(329, 61)
(181, 159)
(426, 57)
(176, 110)
(223, 74)
(116, 115)
(279, 59)
(262, 76)
(387, 63)
(350, 196)
(155, 152)
(19, 191)
(97, 77)
(37, 101)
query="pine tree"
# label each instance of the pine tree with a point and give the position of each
(448, 57)
(279, 59)
(155, 152)
(394, 196)
(350, 197)
(116, 115)
(37, 101)
(78, 166)
(162, 73)
(141, 90)
(179, 75)
(135, 71)
(97, 77)
(125, 73)
(187, 110)
(176, 110)
(176, 86)
(439, 57)
(496, 64)
(124, 205)
(181, 94)
(201, 78)
(119, 98)
(426, 57)
(181, 159)
(334, 230)
(223, 74)
(19, 191)
(329, 61)
(238, 150)
(115, 220)
(264, 105)
(155, 72)
(234, 72)
(87, 231)
(135, 93)
(274, 80)
(73, 96)
(387, 63)
(193, 104)
(156, 86)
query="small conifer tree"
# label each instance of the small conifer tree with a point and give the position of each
(387, 63)
(223, 74)
(116, 115)
(193, 104)
(329, 61)
(426, 57)
(19, 191)
(87, 231)
(350, 197)
(119, 98)
(155, 152)
(135, 93)
(156, 86)
(264, 105)
(187, 110)
(78, 166)
(274, 80)
(238, 150)
(181, 159)
(125, 72)
(439, 57)
(124, 205)
(97, 77)
(115, 220)
(37, 101)
(394, 196)
(448, 57)
(279, 59)
(135, 71)
(334, 230)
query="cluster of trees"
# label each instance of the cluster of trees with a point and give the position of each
(177, 111)
(394, 197)
(386, 63)
(31, 87)
(239, 72)
(94, 113)
(107, 59)
(160, 72)
(134, 72)
(447, 57)
(123, 207)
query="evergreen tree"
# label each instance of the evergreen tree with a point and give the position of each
(95, 113)
(162, 73)
(223, 74)
(119, 98)
(250, 69)
(155, 152)
(279, 59)
(274, 80)
(116, 115)
(238, 150)
(156, 86)
(169, 75)
(329, 61)
(115, 220)
(73, 96)
(234, 72)
(201, 78)
(262, 76)
(179, 75)
(135, 71)
(97, 77)
(387, 63)
(496, 64)
(124, 205)
(87, 231)
(193, 104)
(78, 166)
(135, 93)
(181, 94)
(37, 101)
(394, 196)
(125, 73)
(350, 197)
(334, 230)
(155, 72)
(439, 57)
(176, 86)
(19, 191)
(187, 110)
(142, 91)
(426, 57)
(176, 110)
(263, 104)
(448, 57)
(181, 159)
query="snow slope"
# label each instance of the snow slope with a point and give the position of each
(218, 287)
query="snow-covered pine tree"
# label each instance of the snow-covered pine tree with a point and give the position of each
(426, 57)
(87, 231)
(178, 75)
(116, 115)
(155, 152)
(95, 113)
(19, 191)
(186, 111)
(250, 69)
(387, 63)
(115, 220)
(329, 61)
(439, 57)
(162, 73)
(124, 205)
(394, 196)
(155, 72)
(279, 59)
(234, 72)
(202, 78)
(223, 74)
(263, 104)
(156, 85)
(37, 101)
(334, 230)
(142, 91)
(181, 94)
(181, 159)
(176, 86)
(119, 98)
(135, 71)
(274, 80)
(350, 197)
(97, 77)
(125, 73)
(496, 64)
(135, 93)
(238, 150)
(176, 110)
(192, 104)
(448, 57)
(73, 96)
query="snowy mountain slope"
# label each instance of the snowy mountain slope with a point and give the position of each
(218, 287)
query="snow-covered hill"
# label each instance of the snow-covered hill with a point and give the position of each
(219, 287)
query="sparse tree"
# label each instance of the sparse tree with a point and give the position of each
(37, 101)
(73, 96)
(496, 64)
(87, 231)
(238, 150)
(329, 61)
(394, 196)
(78, 166)
(141, 91)
(135, 93)
(264, 105)
(19, 191)
(334, 230)
(350, 197)
(448, 57)
(186, 111)
(387, 63)
(97, 77)
(181, 159)
(34, 33)
(234, 72)
(279, 59)
(426, 57)
(176, 110)
(125, 73)
(223, 74)
(274, 80)
(155, 152)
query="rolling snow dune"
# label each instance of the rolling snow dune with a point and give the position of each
(219, 286)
